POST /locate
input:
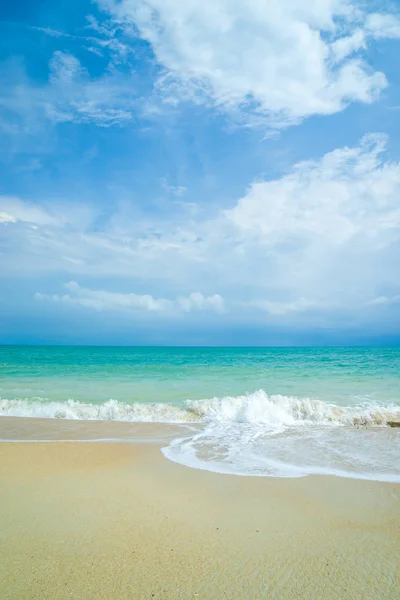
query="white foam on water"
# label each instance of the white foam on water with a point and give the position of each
(247, 451)
(256, 434)
(112, 410)
(277, 410)
(258, 408)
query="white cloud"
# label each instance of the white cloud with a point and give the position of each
(322, 239)
(284, 60)
(52, 214)
(328, 232)
(16, 210)
(345, 46)
(349, 192)
(197, 301)
(70, 95)
(6, 218)
(284, 308)
(174, 190)
(383, 300)
(74, 96)
(102, 300)
(274, 64)
(383, 26)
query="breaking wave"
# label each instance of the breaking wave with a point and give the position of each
(256, 408)
(80, 411)
(255, 434)
(289, 411)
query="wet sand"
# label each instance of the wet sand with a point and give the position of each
(118, 521)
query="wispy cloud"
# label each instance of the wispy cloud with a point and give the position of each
(383, 300)
(70, 95)
(103, 300)
(76, 97)
(323, 238)
(98, 37)
(284, 308)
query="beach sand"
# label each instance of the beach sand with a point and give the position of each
(118, 521)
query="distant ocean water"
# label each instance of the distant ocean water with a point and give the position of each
(255, 411)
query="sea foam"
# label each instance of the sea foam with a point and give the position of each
(80, 411)
(256, 408)
(255, 434)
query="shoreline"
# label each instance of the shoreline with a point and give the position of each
(45, 430)
(115, 521)
(36, 429)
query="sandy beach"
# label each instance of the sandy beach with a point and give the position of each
(118, 521)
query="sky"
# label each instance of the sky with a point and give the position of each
(200, 173)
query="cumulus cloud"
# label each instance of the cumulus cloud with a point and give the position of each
(349, 192)
(283, 60)
(383, 25)
(328, 231)
(197, 301)
(347, 45)
(103, 300)
(324, 239)
(274, 64)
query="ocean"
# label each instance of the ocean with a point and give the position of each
(278, 412)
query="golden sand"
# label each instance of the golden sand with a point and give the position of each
(118, 521)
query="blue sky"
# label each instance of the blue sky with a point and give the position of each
(200, 173)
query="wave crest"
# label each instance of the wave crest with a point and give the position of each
(111, 410)
(260, 408)
(257, 408)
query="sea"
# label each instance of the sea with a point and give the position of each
(272, 412)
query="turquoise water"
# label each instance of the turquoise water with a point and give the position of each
(261, 410)
(174, 375)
